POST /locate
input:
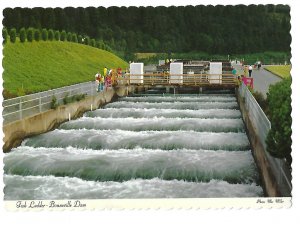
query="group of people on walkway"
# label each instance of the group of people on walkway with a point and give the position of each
(107, 79)
(248, 70)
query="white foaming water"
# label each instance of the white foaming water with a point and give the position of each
(156, 124)
(200, 98)
(174, 105)
(49, 187)
(118, 139)
(141, 147)
(120, 165)
(167, 113)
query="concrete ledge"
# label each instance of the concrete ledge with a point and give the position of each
(269, 184)
(16, 132)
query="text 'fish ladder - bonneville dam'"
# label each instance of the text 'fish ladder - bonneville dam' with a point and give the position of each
(140, 147)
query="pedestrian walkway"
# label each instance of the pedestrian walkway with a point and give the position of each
(262, 79)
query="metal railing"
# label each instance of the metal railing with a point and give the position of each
(179, 79)
(259, 119)
(262, 126)
(20, 107)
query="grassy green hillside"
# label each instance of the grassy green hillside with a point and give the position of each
(38, 66)
(283, 71)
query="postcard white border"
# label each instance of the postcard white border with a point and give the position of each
(176, 219)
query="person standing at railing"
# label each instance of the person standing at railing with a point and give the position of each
(108, 80)
(119, 75)
(245, 71)
(105, 71)
(258, 65)
(234, 71)
(250, 70)
(101, 83)
(97, 80)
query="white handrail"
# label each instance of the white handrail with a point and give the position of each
(83, 88)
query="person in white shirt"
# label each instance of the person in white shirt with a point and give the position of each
(250, 70)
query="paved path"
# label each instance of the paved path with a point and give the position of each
(262, 79)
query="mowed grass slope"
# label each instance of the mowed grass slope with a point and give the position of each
(283, 71)
(39, 66)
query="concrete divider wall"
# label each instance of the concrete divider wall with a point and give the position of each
(269, 183)
(16, 132)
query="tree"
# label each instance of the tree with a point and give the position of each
(22, 35)
(92, 43)
(37, 35)
(4, 35)
(12, 17)
(50, 35)
(74, 38)
(30, 34)
(63, 35)
(44, 34)
(79, 38)
(57, 35)
(13, 35)
(279, 138)
(87, 40)
(214, 29)
(100, 44)
(69, 36)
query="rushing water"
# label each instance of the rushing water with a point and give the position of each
(139, 147)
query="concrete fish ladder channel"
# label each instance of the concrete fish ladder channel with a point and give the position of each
(139, 147)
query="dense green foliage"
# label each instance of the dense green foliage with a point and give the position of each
(74, 38)
(265, 57)
(69, 99)
(22, 35)
(37, 35)
(69, 36)
(279, 102)
(38, 66)
(93, 42)
(30, 34)
(57, 35)
(63, 35)
(217, 29)
(13, 35)
(261, 100)
(44, 34)
(87, 40)
(4, 35)
(54, 104)
(50, 35)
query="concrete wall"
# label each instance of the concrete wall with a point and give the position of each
(269, 183)
(16, 132)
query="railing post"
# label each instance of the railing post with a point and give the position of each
(20, 109)
(40, 103)
(70, 91)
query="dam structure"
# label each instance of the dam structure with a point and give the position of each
(140, 146)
